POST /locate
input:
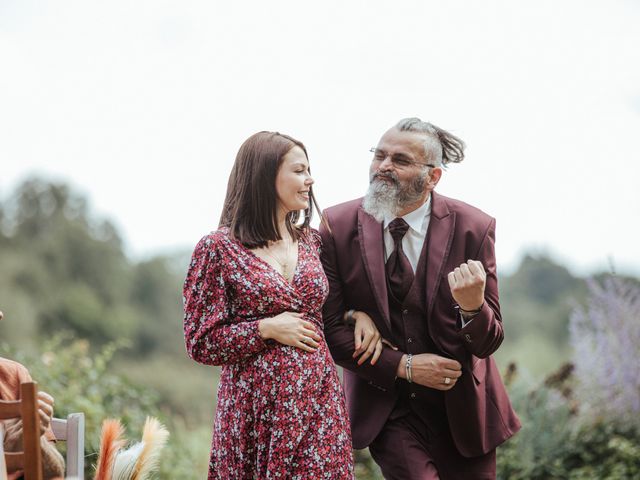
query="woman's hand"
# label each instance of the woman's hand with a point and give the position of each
(289, 328)
(367, 339)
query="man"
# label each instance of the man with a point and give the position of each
(422, 267)
(12, 374)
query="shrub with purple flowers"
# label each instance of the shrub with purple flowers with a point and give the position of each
(583, 421)
(606, 340)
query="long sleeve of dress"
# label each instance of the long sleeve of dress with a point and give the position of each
(213, 334)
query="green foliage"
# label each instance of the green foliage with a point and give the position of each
(365, 467)
(186, 457)
(538, 298)
(535, 451)
(604, 336)
(604, 451)
(186, 388)
(535, 350)
(156, 294)
(555, 442)
(581, 422)
(83, 381)
(542, 280)
(64, 270)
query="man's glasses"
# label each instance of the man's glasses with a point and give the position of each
(398, 160)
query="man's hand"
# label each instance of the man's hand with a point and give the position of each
(13, 427)
(467, 284)
(45, 410)
(431, 370)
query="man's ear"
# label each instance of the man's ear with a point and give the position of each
(434, 177)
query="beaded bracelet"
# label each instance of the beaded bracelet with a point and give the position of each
(407, 367)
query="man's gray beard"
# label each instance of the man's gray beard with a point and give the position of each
(387, 199)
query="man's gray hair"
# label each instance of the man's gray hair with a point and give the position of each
(440, 146)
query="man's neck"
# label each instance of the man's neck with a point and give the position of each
(413, 206)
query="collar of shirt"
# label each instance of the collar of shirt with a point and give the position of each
(412, 242)
(417, 219)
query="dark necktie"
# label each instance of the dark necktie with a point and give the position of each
(399, 271)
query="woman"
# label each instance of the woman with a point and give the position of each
(252, 299)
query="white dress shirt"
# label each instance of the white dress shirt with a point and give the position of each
(413, 240)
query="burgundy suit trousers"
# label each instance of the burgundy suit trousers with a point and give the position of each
(405, 450)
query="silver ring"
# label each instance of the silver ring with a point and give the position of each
(447, 380)
(304, 340)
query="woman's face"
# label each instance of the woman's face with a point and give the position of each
(293, 181)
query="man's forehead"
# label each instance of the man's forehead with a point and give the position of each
(394, 138)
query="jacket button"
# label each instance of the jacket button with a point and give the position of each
(413, 395)
(467, 337)
(409, 340)
(405, 311)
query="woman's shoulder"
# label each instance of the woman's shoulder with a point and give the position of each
(311, 236)
(213, 241)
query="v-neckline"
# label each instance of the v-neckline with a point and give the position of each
(274, 269)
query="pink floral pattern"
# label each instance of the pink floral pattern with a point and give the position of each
(281, 411)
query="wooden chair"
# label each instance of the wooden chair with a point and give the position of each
(71, 430)
(30, 459)
(3, 466)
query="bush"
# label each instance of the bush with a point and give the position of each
(584, 421)
(556, 443)
(82, 381)
(606, 340)
(536, 451)
(604, 451)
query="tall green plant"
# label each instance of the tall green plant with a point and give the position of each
(605, 336)
(536, 451)
(82, 381)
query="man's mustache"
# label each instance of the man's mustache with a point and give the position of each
(382, 175)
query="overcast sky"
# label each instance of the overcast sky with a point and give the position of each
(142, 105)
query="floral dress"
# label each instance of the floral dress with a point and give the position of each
(281, 411)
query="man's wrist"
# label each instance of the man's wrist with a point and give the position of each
(401, 371)
(407, 368)
(469, 314)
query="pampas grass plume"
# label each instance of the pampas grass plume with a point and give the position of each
(110, 442)
(125, 464)
(154, 437)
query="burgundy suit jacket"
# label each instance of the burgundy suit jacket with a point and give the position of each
(479, 413)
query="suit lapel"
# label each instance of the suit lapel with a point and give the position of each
(439, 238)
(372, 249)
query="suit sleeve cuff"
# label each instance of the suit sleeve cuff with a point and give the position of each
(468, 331)
(387, 365)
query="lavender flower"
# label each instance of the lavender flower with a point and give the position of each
(606, 340)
